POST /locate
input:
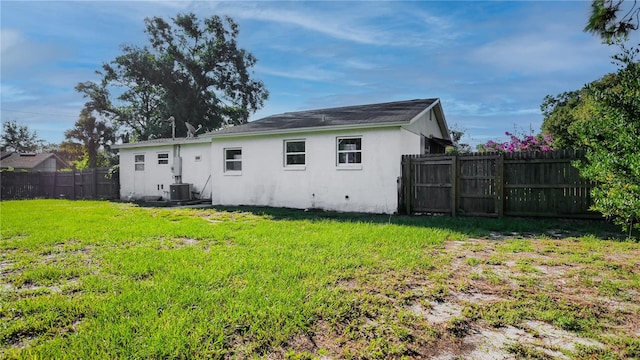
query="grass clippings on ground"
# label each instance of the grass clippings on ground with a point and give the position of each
(110, 280)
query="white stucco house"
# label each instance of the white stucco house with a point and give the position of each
(341, 159)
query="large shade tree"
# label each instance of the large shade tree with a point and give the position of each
(18, 138)
(93, 134)
(192, 70)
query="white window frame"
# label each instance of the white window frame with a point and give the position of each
(348, 165)
(138, 162)
(287, 154)
(163, 158)
(234, 160)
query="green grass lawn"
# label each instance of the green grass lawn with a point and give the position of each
(81, 279)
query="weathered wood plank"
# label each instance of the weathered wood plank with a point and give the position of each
(535, 184)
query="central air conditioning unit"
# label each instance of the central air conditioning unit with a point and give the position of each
(180, 192)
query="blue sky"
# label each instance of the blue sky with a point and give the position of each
(491, 63)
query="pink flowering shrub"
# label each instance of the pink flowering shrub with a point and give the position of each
(526, 143)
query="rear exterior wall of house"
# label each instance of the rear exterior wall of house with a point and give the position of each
(351, 170)
(150, 170)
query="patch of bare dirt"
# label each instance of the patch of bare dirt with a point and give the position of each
(322, 339)
(348, 284)
(4, 266)
(188, 241)
(477, 297)
(550, 336)
(437, 313)
(483, 272)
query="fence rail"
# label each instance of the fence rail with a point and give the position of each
(84, 184)
(511, 184)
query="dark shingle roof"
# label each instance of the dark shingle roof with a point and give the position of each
(27, 160)
(398, 112)
(383, 113)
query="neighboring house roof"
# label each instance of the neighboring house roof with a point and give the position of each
(371, 115)
(28, 160)
(359, 116)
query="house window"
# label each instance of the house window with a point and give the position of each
(233, 159)
(139, 162)
(294, 153)
(163, 159)
(349, 151)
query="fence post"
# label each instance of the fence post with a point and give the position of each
(73, 182)
(499, 179)
(95, 183)
(407, 181)
(40, 191)
(55, 181)
(400, 186)
(454, 184)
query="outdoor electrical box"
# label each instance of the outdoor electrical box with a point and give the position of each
(176, 168)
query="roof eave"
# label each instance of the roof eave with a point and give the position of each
(181, 141)
(436, 106)
(424, 111)
(309, 129)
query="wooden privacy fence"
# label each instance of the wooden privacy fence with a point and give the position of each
(492, 184)
(84, 184)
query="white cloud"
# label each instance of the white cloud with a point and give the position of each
(503, 107)
(9, 38)
(307, 72)
(359, 64)
(543, 42)
(13, 94)
(20, 52)
(539, 53)
(359, 22)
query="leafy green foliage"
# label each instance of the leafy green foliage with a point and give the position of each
(94, 135)
(192, 70)
(610, 131)
(611, 21)
(604, 118)
(18, 138)
(563, 112)
(459, 147)
(68, 151)
(137, 75)
(559, 115)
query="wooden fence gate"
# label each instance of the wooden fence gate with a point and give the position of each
(84, 184)
(492, 184)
